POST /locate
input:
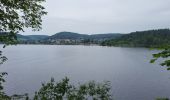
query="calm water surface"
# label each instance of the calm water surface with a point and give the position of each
(128, 69)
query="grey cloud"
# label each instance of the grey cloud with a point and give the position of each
(103, 16)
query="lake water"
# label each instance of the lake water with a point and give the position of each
(128, 69)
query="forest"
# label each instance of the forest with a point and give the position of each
(151, 38)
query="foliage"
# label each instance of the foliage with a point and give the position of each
(3, 96)
(2, 80)
(63, 90)
(2, 58)
(151, 38)
(15, 15)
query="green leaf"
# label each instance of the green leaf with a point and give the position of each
(153, 60)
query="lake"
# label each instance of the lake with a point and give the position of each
(128, 69)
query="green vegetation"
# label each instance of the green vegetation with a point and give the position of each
(151, 38)
(68, 35)
(3, 96)
(15, 15)
(63, 90)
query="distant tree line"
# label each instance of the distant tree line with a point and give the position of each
(150, 38)
(66, 38)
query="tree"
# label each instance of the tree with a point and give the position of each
(15, 15)
(2, 93)
(63, 90)
(150, 39)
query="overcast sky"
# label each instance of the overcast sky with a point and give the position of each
(104, 16)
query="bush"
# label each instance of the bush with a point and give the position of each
(63, 90)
